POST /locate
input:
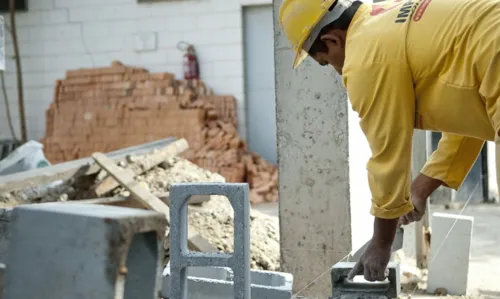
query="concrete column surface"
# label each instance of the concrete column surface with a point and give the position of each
(312, 134)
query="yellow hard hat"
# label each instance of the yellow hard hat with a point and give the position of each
(302, 21)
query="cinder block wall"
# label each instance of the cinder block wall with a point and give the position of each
(56, 35)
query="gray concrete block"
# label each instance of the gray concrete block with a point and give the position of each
(180, 256)
(84, 251)
(342, 287)
(450, 253)
(216, 283)
(2, 274)
(5, 223)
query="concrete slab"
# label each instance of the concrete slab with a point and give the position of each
(450, 253)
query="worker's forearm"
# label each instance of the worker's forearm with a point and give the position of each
(423, 186)
(384, 231)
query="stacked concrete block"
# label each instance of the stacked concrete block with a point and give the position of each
(180, 256)
(217, 283)
(450, 253)
(344, 288)
(84, 251)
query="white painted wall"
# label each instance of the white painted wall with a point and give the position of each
(57, 35)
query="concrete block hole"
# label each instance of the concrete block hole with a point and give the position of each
(213, 217)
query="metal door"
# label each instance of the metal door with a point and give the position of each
(259, 80)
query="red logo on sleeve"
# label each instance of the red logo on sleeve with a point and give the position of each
(421, 10)
(380, 9)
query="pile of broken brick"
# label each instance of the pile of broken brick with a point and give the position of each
(108, 108)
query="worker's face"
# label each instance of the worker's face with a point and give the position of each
(335, 43)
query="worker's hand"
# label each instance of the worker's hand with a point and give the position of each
(373, 263)
(419, 208)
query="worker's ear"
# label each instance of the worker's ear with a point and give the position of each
(333, 37)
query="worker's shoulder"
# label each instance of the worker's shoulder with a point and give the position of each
(376, 35)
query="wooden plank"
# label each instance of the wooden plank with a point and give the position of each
(111, 201)
(195, 240)
(128, 182)
(144, 165)
(71, 169)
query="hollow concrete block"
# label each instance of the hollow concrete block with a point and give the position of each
(216, 283)
(84, 251)
(180, 256)
(343, 288)
(450, 253)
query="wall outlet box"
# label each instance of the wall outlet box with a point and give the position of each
(145, 41)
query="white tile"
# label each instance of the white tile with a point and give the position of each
(42, 79)
(228, 68)
(182, 23)
(159, 57)
(41, 5)
(113, 12)
(145, 42)
(83, 3)
(110, 28)
(220, 52)
(75, 46)
(41, 17)
(54, 32)
(168, 40)
(102, 44)
(228, 36)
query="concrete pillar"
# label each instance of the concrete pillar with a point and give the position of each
(312, 134)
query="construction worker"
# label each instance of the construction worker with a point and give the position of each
(407, 64)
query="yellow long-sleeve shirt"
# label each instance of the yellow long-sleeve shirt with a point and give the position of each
(425, 64)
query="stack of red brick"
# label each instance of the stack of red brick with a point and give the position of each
(105, 109)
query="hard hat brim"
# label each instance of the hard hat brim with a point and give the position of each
(299, 58)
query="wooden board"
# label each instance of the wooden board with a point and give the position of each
(111, 201)
(195, 240)
(145, 164)
(128, 182)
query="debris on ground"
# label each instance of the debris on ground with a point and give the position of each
(213, 219)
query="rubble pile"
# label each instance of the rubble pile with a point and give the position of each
(213, 219)
(105, 109)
